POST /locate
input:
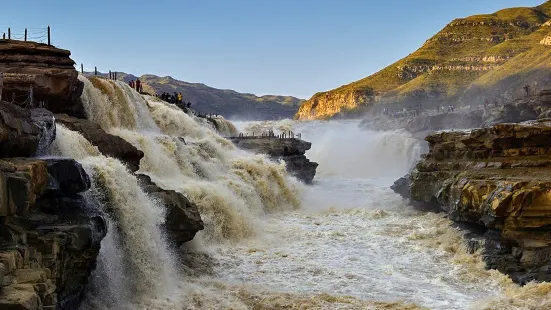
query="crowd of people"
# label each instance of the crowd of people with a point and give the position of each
(137, 85)
(175, 98)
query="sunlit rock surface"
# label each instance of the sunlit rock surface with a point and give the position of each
(499, 180)
(47, 70)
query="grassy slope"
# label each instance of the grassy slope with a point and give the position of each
(506, 33)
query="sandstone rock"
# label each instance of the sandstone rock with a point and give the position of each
(50, 248)
(107, 144)
(498, 179)
(183, 220)
(290, 150)
(47, 70)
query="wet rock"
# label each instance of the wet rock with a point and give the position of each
(45, 122)
(107, 144)
(68, 175)
(50, 234)
(49, 71)
(19, 135)
(290, 150)
(182, 220)
(497, 178)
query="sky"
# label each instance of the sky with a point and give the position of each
(282, 47)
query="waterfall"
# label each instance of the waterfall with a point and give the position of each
(232, 188)
(136, 263)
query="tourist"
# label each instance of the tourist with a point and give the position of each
(138, 85)
(179, 98)
(527, 89)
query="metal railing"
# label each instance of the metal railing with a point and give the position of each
(271, 134)
(38, 35)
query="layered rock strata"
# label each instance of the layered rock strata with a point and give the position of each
(289, 150)
(498, 181)
(45, 69)
(49, 235)
(532, 107)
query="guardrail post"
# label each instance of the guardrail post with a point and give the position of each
(49, 35)
(9, 33)
(25, 34)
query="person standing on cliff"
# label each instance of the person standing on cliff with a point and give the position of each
(527, 89)
(138, 85)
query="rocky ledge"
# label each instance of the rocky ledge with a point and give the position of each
(107, 144)
(497, 180)
(289, 150)
(49, 235)
(46, 69)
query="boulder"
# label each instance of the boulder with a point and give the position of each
(497, 179)
(182, 220)
(47, 70)
(290, 150)
(107, 144)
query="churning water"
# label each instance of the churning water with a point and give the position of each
(347, 242)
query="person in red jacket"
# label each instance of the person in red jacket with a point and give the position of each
(138, 85)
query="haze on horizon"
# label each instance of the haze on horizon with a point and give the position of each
(281, 47)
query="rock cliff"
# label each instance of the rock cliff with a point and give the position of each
(47, 70)
(497, 180)
(289, 150)
(50, 237)
(471, 58)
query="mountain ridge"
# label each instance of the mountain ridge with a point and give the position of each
(226, 102)
(457, 64)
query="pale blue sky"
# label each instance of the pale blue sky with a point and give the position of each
(287, 47)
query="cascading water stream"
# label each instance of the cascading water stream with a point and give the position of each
(352, 236)
(232, 188)
(136, 262)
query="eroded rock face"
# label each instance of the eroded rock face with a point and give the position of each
(497, 179)
(290, 150)
(50, 236)
(24, 132)
(183, 220)
(47, 70)
(107, 144)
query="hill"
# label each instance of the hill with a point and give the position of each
(229, 103)
(470, 59)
